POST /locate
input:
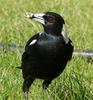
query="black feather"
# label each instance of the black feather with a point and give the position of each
(48, 56)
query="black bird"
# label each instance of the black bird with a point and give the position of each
(46, 53)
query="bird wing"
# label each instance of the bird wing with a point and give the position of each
(31, 41)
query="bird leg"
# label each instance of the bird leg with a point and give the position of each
(48, 94)
(45, 87)
(26, 95)
(27, 83)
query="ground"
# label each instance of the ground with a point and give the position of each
(76, 82)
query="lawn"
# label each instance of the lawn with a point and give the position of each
(76, 82)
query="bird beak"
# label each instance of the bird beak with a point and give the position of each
(36, 16)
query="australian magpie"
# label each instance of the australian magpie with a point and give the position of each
(46, 53)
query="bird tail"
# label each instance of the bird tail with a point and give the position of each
(19, 67)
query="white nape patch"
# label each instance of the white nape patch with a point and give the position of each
(33, 42)
(64, 34)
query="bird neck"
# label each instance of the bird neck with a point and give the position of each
(64, 34)
(57, 31)
(52, 30)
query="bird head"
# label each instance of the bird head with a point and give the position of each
(52, 22)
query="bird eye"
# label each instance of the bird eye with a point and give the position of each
(50, 19)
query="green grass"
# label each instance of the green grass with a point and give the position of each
(76, 82)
